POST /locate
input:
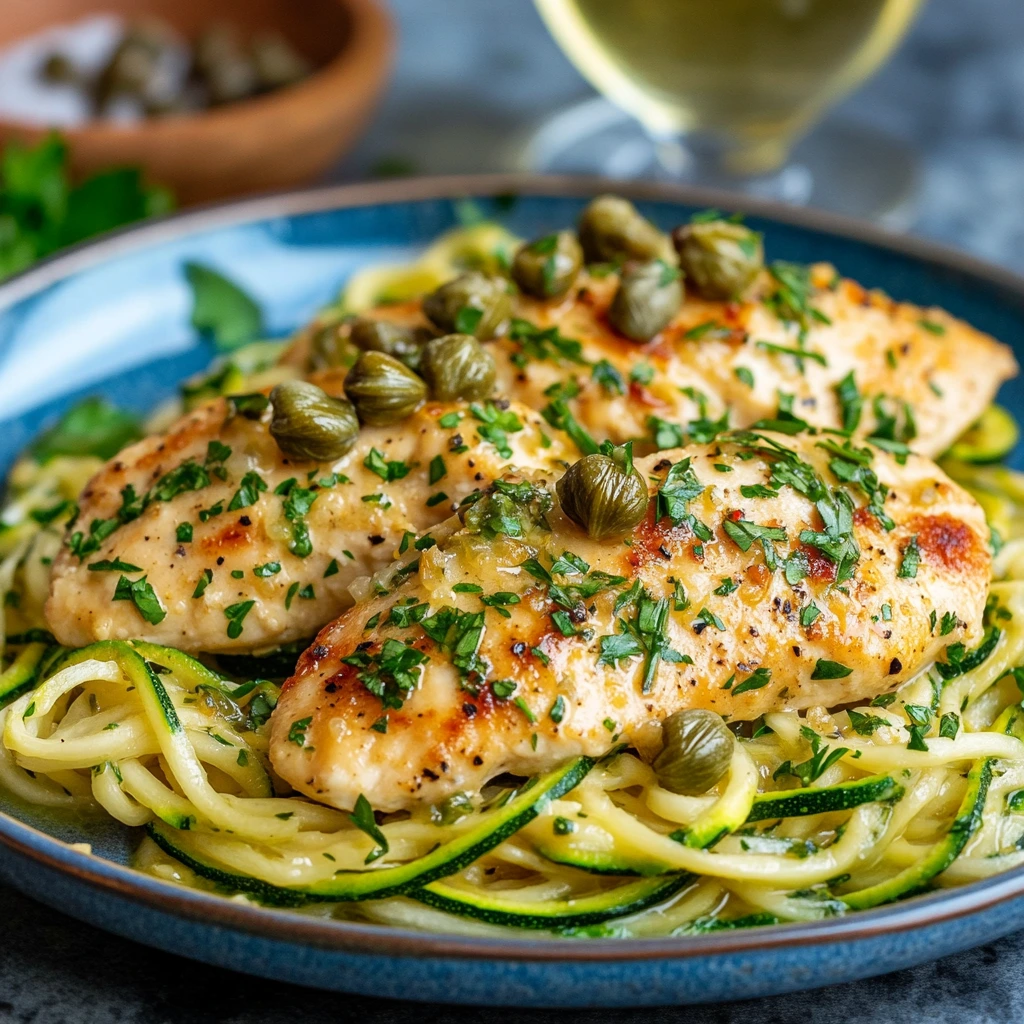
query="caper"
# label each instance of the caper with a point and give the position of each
(472, 303)
(457, 366)
(383, 390)
(404, 343)
(611, 229)
(307, 423)
(719, 258)
(604, 494)
(328, 347)
(696, 750)
(547, 267)
(648, 297)
(59, 69)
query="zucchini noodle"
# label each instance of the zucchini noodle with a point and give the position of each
(154, 738)
(919, 789)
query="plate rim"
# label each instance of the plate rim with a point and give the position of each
(347, 937)
(272, 205)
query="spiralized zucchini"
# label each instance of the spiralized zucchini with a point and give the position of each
(153, 737)
(921, 788)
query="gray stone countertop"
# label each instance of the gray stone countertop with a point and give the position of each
(470, 75)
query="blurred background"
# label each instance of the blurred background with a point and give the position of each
(472, 74)
(904, 112)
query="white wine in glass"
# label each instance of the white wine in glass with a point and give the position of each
(745, 77)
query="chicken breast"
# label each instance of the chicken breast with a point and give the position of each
(207, 538)
(772, 572)
(872, 363)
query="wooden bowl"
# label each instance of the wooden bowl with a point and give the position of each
(278, 140)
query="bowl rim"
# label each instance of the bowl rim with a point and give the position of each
(352, 72)
(346, 937)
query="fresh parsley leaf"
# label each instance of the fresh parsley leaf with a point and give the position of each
(438, 470)
(297, 731)
(205, 579)
(117, 565)
(759, 678)
(949, 725)
(248, 492)
(910, 561)
(608, 377)
(221, 309)
(92, 427)
(235, 614)
(386, 470)
(850, 402)
(142, 595)
(363, 818)
(865, 725)
(825, 669)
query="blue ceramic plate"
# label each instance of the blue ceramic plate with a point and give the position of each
(113, 318)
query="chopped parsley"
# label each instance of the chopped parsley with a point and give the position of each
(825, 669)
(363, 818)
(642, 373)
(644, 633)
(744, 375)
(385, 469)
(437, 469)
(558, 414)
(235, 614)
(759, 678)
(541, 344)
(851, 403)
(297, 731)
(707, 618)
(910, 560)
(557, 712)
(117, 565)
(392, 672)
(822, 758)
(248, 492)
(791, 300)
(949, 725)
(205, 579)
(142, 595)
(510, 510)
(297, 503)
(609, 378)
(865, 725)
(800, 354)
(495, 424)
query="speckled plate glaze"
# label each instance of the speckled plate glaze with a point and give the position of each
(112, 318)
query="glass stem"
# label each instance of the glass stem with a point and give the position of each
(759, 169)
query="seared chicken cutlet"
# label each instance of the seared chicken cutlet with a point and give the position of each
(772, 572)
(872, 364)
(209, 538)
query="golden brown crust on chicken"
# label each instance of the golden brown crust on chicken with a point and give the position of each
(736, 356)
(764, 605)
(246, 535)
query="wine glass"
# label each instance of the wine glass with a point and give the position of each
(723, 90)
